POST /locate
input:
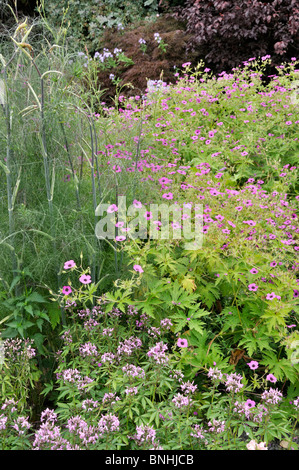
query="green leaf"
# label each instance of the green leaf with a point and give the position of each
(39, 341)
(29, 309)
(196, 325)
(14, 282)
(44, 316)
(40, 323)
(13, 324)
(35, 297)
(48, 388)
(54, 313)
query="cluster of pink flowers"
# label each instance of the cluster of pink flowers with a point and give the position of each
(252, 412)
(133, 371)
(110, 399)
(89, 405)
(144, 434)
(67, 337)
(253, 445)
(272, 396)
(131, 391)
(107, 331)
(15, 349)
(49, 436)
(215, 374)
(233, 382)
(166, 323)
(157, 352)
(108, 423)
(88, 349)
(108, 357)
(21, 425)
(181, 401)
(73, 376)
(188, 387)
(198, 432)
(216, 426)
(128, 346)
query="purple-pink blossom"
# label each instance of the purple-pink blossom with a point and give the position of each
(85, 279)
(138, 268)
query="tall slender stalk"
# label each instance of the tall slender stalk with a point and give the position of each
(94, 168)
(96, 156)
(94, 196)
(72, 166)
(115, 243)
(49, 181)
(11, 194)
(137, 157)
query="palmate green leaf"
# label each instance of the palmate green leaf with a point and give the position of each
(150, 304)
(199, 312)
(121, 299)
(253, 343)
(209, 294)
(180, 323)
(274, 320)
(232, 320)
(166, 263)
(277, 313)
(178, 297)
(281, 368)
(196, 325)
(188, 284)
(149, 308)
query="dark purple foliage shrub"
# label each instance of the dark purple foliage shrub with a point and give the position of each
(229, 32)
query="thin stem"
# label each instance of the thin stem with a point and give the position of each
(11, 221)
(71, 165)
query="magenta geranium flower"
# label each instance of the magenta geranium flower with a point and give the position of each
(271, 296)
(168, 196)
(137, 204)
(253, 365)
(231, 223)
(120, 238)
(66, 290)
(119, 224)
(148, 215)
(182, 343)
(254, 271)
(271, 378)
(253, 287)
(69, 264)
(85, 279)
(112, 208)
(138, 268)
(250, 403)
(164, 180)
